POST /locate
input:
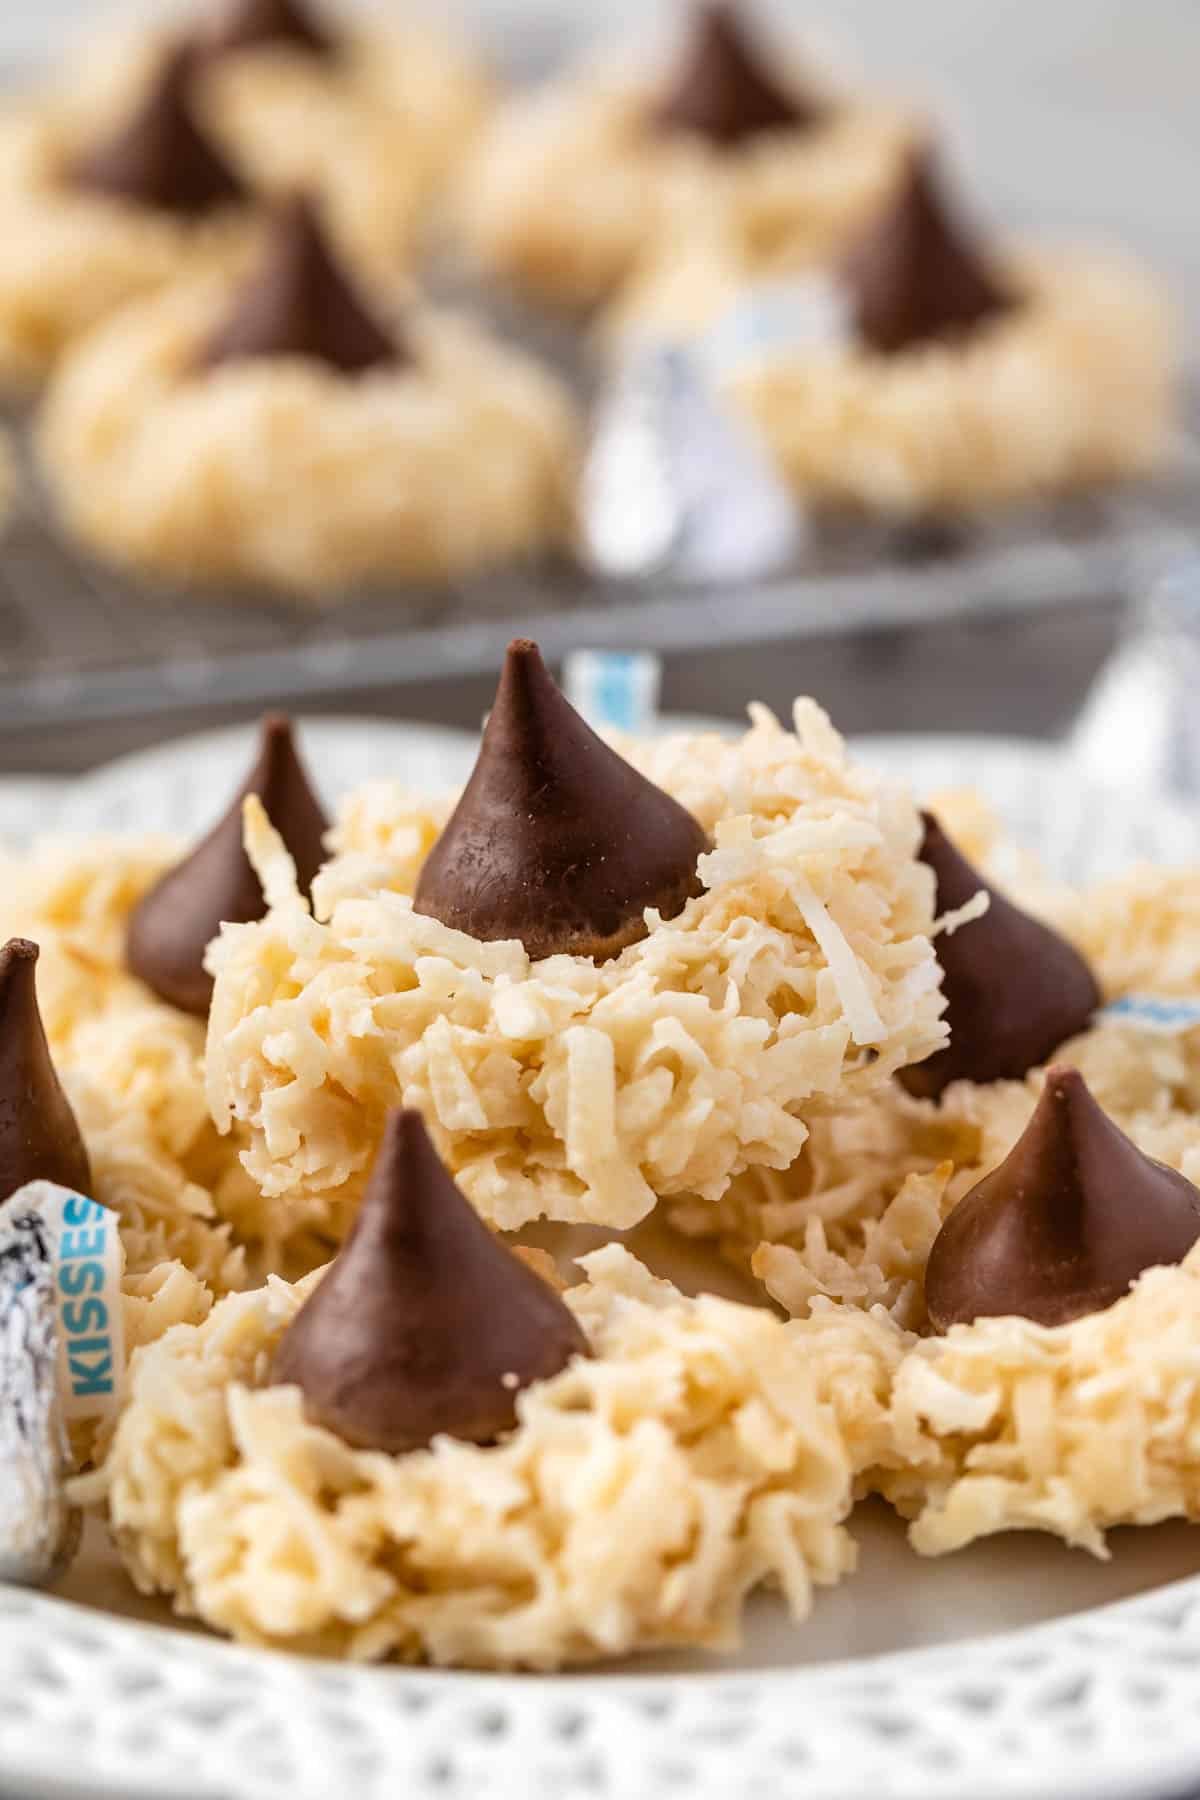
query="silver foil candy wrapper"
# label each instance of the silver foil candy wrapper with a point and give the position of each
(1140, 727)
(38, 1528)
(675, 482)
(678, 481)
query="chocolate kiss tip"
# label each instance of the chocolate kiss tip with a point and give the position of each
(425, 1324)
(722, 89)
(178, 918)
(39, 1136)
(301, 303)
(557, 841)
(161, 158)
(915, 275)
(246, 24)
(1015, 991)
(1065, 1225)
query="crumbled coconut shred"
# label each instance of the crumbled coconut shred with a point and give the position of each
(704, 1449)
(866, 1026)
(856, 1215)
(130, 1064)
(1072, 387)
(563, 1088)
(966, 914)
(1005, 1425)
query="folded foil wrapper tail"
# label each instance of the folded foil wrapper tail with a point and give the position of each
(39, 1530)
(677, 483)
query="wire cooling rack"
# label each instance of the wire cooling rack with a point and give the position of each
(79, 640)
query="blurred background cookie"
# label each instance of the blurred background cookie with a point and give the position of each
(284, 428)
(571, 186)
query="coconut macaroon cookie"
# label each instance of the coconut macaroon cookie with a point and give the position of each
(601, 978)
(858, 1213)
(925, 374)
(1040, 1232)
(1058, 1399)
(123, 1016)
(75, 1135)
(570, 188)
(425, 1452)
(96, 215)
(284, 428)
(370, 115)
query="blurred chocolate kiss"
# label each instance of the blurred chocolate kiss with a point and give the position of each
(425, 1324)
(722, 89)
(39, 1136)
(1015, 991)
(176, 921)
(300, 302)
(1062, 1228)
(557, 840)
(161, 158)
(915, 276)
(246, 24)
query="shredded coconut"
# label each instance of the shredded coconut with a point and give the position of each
(856, 1215)
(1005, 1425)
(705, 1449)
(130, 1064)
(285, 472)
(1073, 387)
(569, 189)
(566, 1089)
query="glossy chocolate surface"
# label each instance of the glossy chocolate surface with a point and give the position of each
(1015, 991)
(39, 1137)
(301, 302)
(1073, 1215)
(425, 1324)
(915, 275)
(557, 840)
(175, 922)
(724, 91)
(161, 158)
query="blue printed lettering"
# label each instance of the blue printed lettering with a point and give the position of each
(82, 1243)
(95, 1377)
(77, 1278)
(86, 1315)
(79, 1211)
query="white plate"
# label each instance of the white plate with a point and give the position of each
(1015, 1669)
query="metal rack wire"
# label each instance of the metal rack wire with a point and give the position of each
(77, 638)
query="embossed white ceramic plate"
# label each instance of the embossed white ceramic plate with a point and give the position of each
(1017, 1669)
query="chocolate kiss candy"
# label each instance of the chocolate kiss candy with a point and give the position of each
(248, 23)
(175, 922)
(914, 275)
(1014, 989)
(1064, 1225)
(299, 303)
(39, 1138)
(425, 1323)
(722, 91)
(556, 840)
(161, 158)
